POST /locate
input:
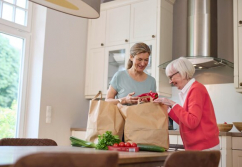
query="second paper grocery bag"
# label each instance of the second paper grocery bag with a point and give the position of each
(146, 123)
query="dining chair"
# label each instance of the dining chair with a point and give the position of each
(101, 159)
(193, 159)
(27, 142)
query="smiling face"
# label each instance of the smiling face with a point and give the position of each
(140, 61)
(176, 79)
(179, 72)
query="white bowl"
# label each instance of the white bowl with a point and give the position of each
(118, 57)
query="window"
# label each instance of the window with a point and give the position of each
(14, 51)
(16, 13)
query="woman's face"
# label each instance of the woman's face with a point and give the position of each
(176, 79)
(140, 61)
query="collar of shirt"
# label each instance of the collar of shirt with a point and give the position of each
(184, 91)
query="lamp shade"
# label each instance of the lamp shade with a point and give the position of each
(81, 8)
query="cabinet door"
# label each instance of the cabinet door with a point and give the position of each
(116, 60)
(237, 158)
(240, 57)
(97, 31)
(143, 21)
(240, 13)
(118, 25)
(95, 68)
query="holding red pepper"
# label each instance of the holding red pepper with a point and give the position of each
(151, 94)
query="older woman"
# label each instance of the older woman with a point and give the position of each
(196, 117)
(133, 81)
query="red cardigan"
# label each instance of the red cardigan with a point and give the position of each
(196, 119)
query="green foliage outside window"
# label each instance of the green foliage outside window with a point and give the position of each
(9, 78)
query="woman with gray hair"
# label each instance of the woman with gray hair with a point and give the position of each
(195, 115)
(133, 81)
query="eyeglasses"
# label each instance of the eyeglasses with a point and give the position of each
(170, 77)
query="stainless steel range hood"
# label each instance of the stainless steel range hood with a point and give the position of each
(202, 35)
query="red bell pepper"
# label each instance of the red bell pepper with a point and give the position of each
(151, 94)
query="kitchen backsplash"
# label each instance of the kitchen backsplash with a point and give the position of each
(226, 101)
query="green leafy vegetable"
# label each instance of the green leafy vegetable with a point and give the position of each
(81, 143)
(107, 139)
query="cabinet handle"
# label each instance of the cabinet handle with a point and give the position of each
(102, 44)
(240, 22)
(126, 40)
(153, 36)
(240, 84)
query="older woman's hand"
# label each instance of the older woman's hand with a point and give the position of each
(165, 101)
(130, 99)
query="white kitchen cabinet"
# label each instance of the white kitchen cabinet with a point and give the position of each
(143, 21)
(237, 158)
(118, 20)
(95, 72)
(237, 8)
(237, 151)
(128, 22)
(116, 59)
(97, 31)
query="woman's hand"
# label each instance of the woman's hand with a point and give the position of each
(165, 101)
(130, 99)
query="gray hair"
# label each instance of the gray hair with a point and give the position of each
(137, 49)
(181, 65)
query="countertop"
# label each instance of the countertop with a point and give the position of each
(233, 134)
(176, 132)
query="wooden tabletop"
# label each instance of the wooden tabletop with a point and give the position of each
(10, 154)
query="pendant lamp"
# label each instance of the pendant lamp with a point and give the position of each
(81, 8)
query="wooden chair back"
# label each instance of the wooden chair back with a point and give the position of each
(193, 159)
(103, 159)
(27, 142)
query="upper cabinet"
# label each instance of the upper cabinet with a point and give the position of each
(122, 24)
(97, 31)
(237, 8)
(118, 20)
(143, 21)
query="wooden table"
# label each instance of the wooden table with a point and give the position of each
(10, 154)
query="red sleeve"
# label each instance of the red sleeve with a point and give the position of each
(195, 101)
(173, 116)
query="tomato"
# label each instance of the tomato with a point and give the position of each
(225, 122)
(115, 144)
(127, 144)
(121, 144)
(134, 145)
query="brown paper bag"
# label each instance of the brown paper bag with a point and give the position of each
(146, 123)
(103, 116)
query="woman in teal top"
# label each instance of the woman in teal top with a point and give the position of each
(126, 85)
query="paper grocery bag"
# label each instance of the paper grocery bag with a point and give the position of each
(103, 116)
(146, 123)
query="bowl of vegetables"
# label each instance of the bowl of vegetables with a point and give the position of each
(225, 127)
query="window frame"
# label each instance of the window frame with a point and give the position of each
(26, 28)
(23, 76)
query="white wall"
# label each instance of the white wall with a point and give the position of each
(62, 78)
(31, 121)
(226, 101)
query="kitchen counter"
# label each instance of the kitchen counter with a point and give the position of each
(176, 132)
(232, 134)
